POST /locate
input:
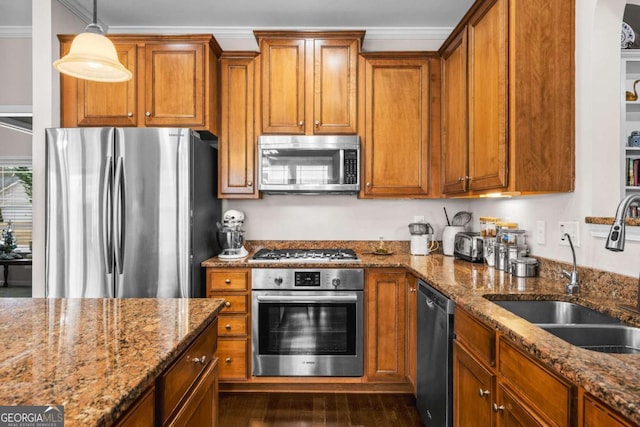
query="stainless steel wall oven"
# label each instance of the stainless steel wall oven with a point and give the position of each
(307, 322)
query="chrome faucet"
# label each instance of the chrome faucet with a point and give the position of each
(572, 287)
(615, 241)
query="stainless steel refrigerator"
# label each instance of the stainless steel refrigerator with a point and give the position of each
(131, 212)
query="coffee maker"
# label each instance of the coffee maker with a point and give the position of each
(230, 235)
(421, 236)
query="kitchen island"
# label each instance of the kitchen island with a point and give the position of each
(608, 377)
(95, 357)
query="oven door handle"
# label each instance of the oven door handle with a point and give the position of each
(307, 299)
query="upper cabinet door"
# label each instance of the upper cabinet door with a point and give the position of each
(488, 100)
(454, 116)
(335, 86)
(175, 85)
(101, 104)
(236, 145)
(283, 76)
(396, 126)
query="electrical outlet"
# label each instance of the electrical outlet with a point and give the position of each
(572, 229)
(541, 232)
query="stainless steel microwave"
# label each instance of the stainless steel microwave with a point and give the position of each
(301, 164)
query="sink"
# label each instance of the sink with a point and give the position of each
(603, 338)
(555, 312)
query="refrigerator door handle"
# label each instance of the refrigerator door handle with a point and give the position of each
(107, 216)
(120, 216)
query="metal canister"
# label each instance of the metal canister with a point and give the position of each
(508, 253)
(524, 267)
(501, 256)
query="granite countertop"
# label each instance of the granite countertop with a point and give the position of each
(93, 356)
(610, 377)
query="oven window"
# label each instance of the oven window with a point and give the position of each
(307, 328)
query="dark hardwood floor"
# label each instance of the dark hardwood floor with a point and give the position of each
(317, 410)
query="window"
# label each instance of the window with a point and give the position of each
(15, 199)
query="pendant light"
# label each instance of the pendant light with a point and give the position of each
(93, 56)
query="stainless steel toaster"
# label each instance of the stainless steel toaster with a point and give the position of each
(468, 246)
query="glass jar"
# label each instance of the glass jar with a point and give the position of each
(488, 226)
(513, 237)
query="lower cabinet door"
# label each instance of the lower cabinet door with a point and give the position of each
(473, 390)
(201, 407)
(511, 412)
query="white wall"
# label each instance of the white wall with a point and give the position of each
(339, 217)
(598, 25)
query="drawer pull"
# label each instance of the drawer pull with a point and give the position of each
(227, 304)
(227, 360)
(227, 327)
(497, 408)
(484, 393)
(227, 281)
(200, 360)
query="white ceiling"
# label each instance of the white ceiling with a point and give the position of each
(258, 13)
(355, 14)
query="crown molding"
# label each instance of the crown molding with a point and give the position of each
(7, 32)
(373, 33)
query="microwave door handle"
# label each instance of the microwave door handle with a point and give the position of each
(306, 299)
(341, 175)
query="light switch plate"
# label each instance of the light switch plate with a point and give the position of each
(541, 232)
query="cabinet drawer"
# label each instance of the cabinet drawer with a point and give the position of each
(550, 394)
(232, 325)
(141, 415)
(200, 408)
(232, 354)
(177, 380)
(229, 280)
(476, 336)
(234, 303)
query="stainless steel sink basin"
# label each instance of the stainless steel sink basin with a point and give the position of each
(603, 338)
(556, 312)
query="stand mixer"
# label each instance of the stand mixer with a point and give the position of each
(230, 235)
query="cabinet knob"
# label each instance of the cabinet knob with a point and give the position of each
(227, 281)
(300, 123)
(228, 327)
(227, 304)
(468, 178)
(369, 184)
(200, 360)
(484, 393)
(148, 114)
(497, 408)
(227, 360)
(129, 114)
(459, 179)
(317, 122)
(249, 183)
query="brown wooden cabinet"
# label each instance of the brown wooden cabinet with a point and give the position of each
(234, 321)
(142, 412)
(309, 81)
(237, 142)
(494, 383)
(593, 413)
(508, 100)
(175, 83)
(385, 299)
(395, 114)
(411, 325)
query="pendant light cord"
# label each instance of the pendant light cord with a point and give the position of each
(95, 12)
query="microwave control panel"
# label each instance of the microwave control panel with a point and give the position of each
(350, 166)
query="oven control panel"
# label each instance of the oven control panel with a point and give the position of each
(307, 278)
(325, 279)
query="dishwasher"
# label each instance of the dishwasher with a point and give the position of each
(435, 353)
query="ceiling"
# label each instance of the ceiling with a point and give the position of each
(354, 14)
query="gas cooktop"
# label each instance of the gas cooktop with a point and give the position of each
(304, 255)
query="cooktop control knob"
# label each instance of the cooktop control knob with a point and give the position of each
(278, 281)
(335, 282)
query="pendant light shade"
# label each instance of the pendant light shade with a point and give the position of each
(93, 56)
